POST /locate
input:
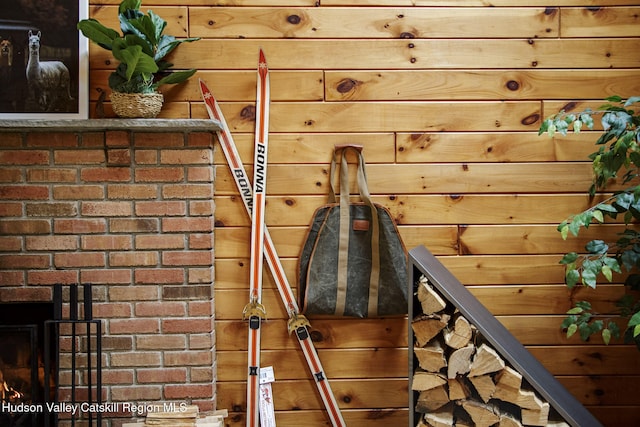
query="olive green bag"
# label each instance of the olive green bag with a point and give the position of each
(353, 262)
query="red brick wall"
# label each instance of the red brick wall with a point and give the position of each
(130, 212)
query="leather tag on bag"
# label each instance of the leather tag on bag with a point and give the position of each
(360, 224)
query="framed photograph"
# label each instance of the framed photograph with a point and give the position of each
(44, 60)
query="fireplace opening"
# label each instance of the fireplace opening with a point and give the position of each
(22, 364)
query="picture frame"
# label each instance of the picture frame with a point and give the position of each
(44, 60)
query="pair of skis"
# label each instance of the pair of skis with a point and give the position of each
(263, 248)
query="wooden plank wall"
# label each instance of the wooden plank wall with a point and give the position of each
(446, 96)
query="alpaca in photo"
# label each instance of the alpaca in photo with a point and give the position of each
(6, 53)
(48, 81)
(6, 61)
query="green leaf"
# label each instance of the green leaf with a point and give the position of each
(598, 216)
(605, 207)
(577, 125)
(614, 329)
(632, 100)
(589, 278)
(572, 276)
(98, 33)
(571, 330)
(569, 258)
(612, 263)
(585, 331)
(597, 247)
(136, 60)
(606, 272)
(575, 224)
(585, 305)
(606, 336)
(575, 310)
(175, 77)
(635, 319)
(624, 200)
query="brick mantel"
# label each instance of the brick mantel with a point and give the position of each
(126, 205)
(138, 125)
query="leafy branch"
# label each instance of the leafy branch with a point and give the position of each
(617, 158)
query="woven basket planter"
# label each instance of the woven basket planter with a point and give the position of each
(136, 105)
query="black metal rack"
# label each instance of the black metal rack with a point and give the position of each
(422, 262)
(52, 332)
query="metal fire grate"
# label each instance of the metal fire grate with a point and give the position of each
(89, 329)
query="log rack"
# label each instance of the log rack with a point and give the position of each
(423, 262)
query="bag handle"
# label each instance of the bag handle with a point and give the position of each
(345, 224)
(363, 188)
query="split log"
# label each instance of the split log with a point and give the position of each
(182, 418)
(486, 361)
(528, 399)
(430, 300)
(442, 417)
(458, 390)
(482, 414)
(423, 380)
(432, 399)
(533, 417)
(460, 335)
(508, 383)
(555, 423)
(507, 420)
(426, 327)
(460, 361)
(431, 357)
(484, 385)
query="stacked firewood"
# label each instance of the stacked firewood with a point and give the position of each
(460, 380)
(184, 417)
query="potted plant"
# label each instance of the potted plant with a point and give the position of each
(617, 158)
(141, 50)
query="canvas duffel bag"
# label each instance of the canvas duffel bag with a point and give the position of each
(353, 262)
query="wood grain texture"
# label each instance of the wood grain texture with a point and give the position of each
(407, 23)
(446, 96)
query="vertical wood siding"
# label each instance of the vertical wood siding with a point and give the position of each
(446, 97)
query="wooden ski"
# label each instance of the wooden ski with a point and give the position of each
(254, 311)
(297, 322)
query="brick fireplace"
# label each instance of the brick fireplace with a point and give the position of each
(126, 206)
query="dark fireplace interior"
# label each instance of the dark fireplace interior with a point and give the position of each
(22, 363)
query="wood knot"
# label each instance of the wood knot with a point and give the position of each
(316, 336)
(248, 112)
(513, 85)
(407, 35)
(570, 106)
(531, 119)
(346, 85)
(294, 19)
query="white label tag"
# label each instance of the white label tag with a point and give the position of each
(267, 375)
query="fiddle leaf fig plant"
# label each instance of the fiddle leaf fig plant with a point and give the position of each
(140, 49)
(617, 157)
